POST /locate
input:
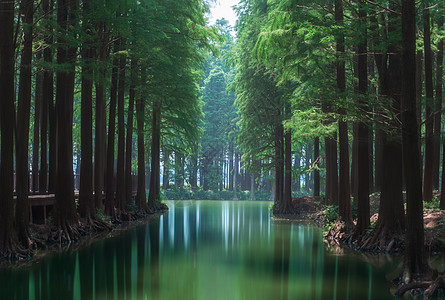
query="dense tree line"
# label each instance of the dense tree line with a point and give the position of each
(329, 70)
(108, 66)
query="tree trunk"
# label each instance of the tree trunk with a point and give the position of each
(121, 201)
(235, 176)
(438, 109)
(316, 167)
(129, 138)
(279, 167)
(165, 176)
(154, 192)
(363, 218)
(109, 173)
(23, 116)
(47, 100)
(344, 201)
(36, 131)
(287, 199)
(86, 200)
(414, 254)
(8, 236)
(141, 201)
(429, 119)
(100, 133)
(65, 206)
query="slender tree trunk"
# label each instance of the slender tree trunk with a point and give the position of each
(429, 119)
(363, 219)
(65, 206)
(141, 201)
(165, 176)
(287, 199)
(86, 200)
(23, 116)
(154, 192)
(8, 236)
(129, 140)
(47, 100)
(414, 253)
(121, 201)
(438, 109)
(344, 201)
(297, 166)
(419, 87)
(100, 133)
(279, 167)
(36, 131)
(235, 176)
(316, 167)
(109, 173)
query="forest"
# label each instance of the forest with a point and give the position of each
(109, 108)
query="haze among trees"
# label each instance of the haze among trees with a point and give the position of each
(338, 99)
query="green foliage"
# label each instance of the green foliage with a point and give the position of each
(188, 194)
(331, 213)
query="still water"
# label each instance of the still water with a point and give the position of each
(202, 250)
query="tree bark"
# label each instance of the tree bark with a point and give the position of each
(429, 119)
(414, 253)
(363, 217)
(154, 192)
(65, 206)
(36, 131)
(165, 176)
(109, 172)
(121, 201)
(129, 138)
(344, 201)
(100, 132)
(316, 167)
(8, 236)
(438, 109)
(141, 201)
(47, 100)
(86, 200)
(23, 116)
(287, 199)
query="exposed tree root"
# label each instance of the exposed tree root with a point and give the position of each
(427, 284)
(380, 240)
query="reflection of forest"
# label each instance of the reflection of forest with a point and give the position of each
(203, 249)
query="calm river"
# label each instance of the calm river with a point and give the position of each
(202, 250)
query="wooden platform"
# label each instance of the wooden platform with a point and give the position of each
(41, 205)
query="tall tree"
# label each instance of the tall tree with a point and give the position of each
(414, 253)
(429, 118)
(129, 137)
(23, 116)
(363, 219)
(344, 201)
(8, 235)
(66, 215)
(47, 103)
(121, 201)
(86, 201)
(109, 175)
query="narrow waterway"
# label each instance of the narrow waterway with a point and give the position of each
(202, 250)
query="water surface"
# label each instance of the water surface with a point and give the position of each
(202, 250)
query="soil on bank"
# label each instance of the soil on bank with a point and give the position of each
(45, 238)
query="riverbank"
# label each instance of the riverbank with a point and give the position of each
(340, 237)
(46, 238)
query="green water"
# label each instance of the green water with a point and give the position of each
(202, 250)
